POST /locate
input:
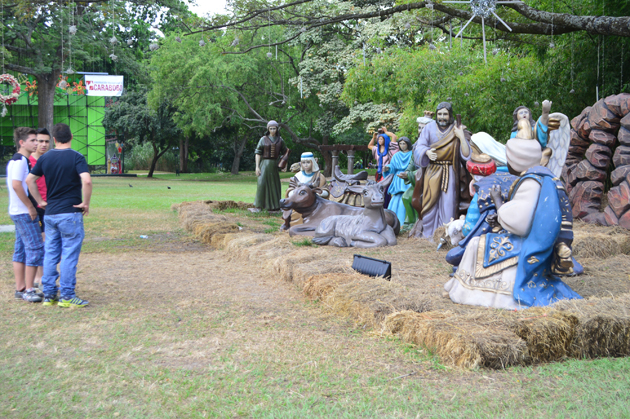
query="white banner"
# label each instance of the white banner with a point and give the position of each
(97, 85)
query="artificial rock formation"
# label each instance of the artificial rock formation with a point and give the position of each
(599, 156)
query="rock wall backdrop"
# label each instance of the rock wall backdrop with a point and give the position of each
(598, 161)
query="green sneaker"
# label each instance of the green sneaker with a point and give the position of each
(50, 300)
(74, 302)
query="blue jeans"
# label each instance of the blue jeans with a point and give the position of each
(29, 247)
(64, 237)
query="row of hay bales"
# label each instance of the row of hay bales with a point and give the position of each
(413, 308)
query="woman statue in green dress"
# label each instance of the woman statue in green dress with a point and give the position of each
(270, 150)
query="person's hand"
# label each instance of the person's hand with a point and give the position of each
(495, 194)
(258, 171)
(42, 204)
(84, 207)
(546, 106)
(403, 175)
(459, 131)
(32, 212)
(493, 220)
(553, 124)
(386, 168)
(431, 154)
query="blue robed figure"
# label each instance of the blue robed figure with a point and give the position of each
(515, 265)
(399, 164)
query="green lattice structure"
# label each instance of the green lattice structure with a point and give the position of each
(84, 115)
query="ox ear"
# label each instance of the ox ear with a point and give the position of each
(386, 181)
(356, 189)
(318, 191)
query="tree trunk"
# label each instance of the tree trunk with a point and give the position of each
(186, 145)
(156, 156)
(46, 85)
(238, 154)
(327, 158)
(182, 155)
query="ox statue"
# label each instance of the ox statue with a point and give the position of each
(313, 208)
(367, 229)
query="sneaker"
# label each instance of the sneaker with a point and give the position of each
(31, 296)
(18, 294)
(72, 302)
(51, 300)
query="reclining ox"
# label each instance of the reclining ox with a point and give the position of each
(367, 229)
(313, 208)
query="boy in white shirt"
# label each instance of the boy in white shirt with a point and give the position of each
(29, 247)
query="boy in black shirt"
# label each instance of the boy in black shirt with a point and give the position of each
(66, 172)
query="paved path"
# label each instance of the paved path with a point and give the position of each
(7, 229)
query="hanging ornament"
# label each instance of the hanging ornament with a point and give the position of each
(374, 89)
(428, 91)
(572, 91)
(63, 84)
(495, 51)
(153, 46)
(235, 42)
(4, 111)
(432, 47)
(120, 149)
(269, 55)
(449, 98)
(407, 25)
(69, 70)
(72, 29)
(484, 9)
(430, 6)
(552, 45)
(461, 73)
(15, 89)
(202, 43)
(130, 42)
(114, 57)
(113, 40)
(378, 50)
(503, 80)
(466, 94)
(178, 39)
(302, 29)
(536, 104)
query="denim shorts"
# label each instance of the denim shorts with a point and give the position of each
(29, 246)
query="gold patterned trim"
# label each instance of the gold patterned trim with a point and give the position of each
(532, 260)
(498, 286)
(480, 271)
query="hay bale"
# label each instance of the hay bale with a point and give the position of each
(548, 333)
(603, 327)
(282, 267)
(305, 271)
(223, 205)
(592, 241)
(463, 341)
(369, 300)
(319, 286)
(205, 231)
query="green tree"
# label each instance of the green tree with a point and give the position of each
(132, 117)
(38, 41)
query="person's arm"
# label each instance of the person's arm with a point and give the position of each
(86, 181)
(31, 182)
(19, 191)
(546, 107)
(393, 137)
(373, 140)
(258, 165)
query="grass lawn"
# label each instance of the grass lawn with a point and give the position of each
(175, 329)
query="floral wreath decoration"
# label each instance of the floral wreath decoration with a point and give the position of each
(15, 94)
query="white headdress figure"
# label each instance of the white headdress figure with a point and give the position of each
(304, 177)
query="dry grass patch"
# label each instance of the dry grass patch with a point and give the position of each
(413, 307)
